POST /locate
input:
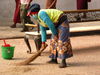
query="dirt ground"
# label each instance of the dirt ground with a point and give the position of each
(85, 61)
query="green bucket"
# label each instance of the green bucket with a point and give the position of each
(7, 52)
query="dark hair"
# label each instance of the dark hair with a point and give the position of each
(34, 8)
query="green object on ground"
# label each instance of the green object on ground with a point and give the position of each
(7, 52)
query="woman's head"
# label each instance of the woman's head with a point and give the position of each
(33, 9)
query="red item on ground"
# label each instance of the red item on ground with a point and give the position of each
(5, 44)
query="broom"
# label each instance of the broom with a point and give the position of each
(32, 58)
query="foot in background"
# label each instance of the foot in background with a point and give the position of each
(13, 26)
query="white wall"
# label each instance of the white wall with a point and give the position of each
(70, 4)
(94, 4)
(61, 4)
(7, 7)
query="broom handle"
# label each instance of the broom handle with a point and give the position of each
(33, 57)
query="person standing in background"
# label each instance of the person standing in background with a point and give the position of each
(82, 4)
(23, 14)
(51, 4)
(16, 18)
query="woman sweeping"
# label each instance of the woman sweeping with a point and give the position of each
(57, 22)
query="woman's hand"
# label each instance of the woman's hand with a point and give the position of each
(43, 46)
(56, 38)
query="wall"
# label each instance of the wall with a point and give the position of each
(7, 8)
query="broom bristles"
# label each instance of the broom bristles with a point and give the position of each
(32, 58)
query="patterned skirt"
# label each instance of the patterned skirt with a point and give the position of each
(61, 48)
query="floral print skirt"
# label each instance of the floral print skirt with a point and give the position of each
(61, 48)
